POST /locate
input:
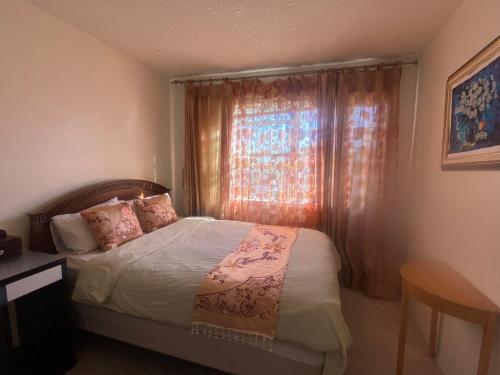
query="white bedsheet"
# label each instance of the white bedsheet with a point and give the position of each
(156, 276)
(76, 261)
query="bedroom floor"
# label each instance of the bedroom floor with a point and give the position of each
(373, 323)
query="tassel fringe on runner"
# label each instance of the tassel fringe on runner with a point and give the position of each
(244, 338)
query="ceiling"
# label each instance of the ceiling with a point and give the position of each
(183, 37)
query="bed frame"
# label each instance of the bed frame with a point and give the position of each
(165, 338)
(79, 200)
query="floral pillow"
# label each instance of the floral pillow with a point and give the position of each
(112, 225)
(155, 212)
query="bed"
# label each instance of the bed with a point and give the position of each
(146, 300)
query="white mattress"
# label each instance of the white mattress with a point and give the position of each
(142, 332)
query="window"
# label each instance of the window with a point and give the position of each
(273, 151)
(360, 135)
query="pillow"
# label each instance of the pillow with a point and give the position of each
(112, 225)
(155, 212)
(56, 238)
(71, 231)
(130, 203)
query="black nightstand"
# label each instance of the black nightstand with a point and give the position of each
(36, 336)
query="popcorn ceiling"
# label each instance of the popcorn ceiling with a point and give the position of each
(181, 37)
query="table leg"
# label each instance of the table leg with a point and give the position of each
(402, 332)
(487, 344)
(433, 333)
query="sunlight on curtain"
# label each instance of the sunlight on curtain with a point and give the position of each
(359, 135)
(318, 151)
(273, 158)
(359, 211)
(204, 119)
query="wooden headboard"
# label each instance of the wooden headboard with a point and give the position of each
(79, 200)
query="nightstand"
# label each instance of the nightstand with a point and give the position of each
(36, 336)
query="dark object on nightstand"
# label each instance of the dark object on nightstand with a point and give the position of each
(3, 233)
(9, 246)
(36, 336)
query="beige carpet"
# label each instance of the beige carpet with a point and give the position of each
(374, 325)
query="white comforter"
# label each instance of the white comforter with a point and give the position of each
(156, 276)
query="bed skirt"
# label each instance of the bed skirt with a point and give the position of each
(177, 341)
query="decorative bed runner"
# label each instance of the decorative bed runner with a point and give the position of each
(239, 299)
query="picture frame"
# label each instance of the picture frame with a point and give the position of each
(471, 135)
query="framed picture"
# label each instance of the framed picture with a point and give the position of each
(472, 112)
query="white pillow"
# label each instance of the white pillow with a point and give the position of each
(71, 231)
(59, 244)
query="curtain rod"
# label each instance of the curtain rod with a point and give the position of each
(345, 68)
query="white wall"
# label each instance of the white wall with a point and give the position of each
(455, 215)
(177, 123)
(73, 111)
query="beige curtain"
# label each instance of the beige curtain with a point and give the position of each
(359, 125)
(273, 165)
(206, 118)
(343, 182)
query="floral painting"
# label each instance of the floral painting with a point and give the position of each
(475, 119)
(472, 126)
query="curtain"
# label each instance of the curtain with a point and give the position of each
(359, 127)
(206, 117)
(317, 151)
(273, 167)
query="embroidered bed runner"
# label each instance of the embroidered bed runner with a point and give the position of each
(239, 299)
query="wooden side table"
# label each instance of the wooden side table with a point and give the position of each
(443, 289)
